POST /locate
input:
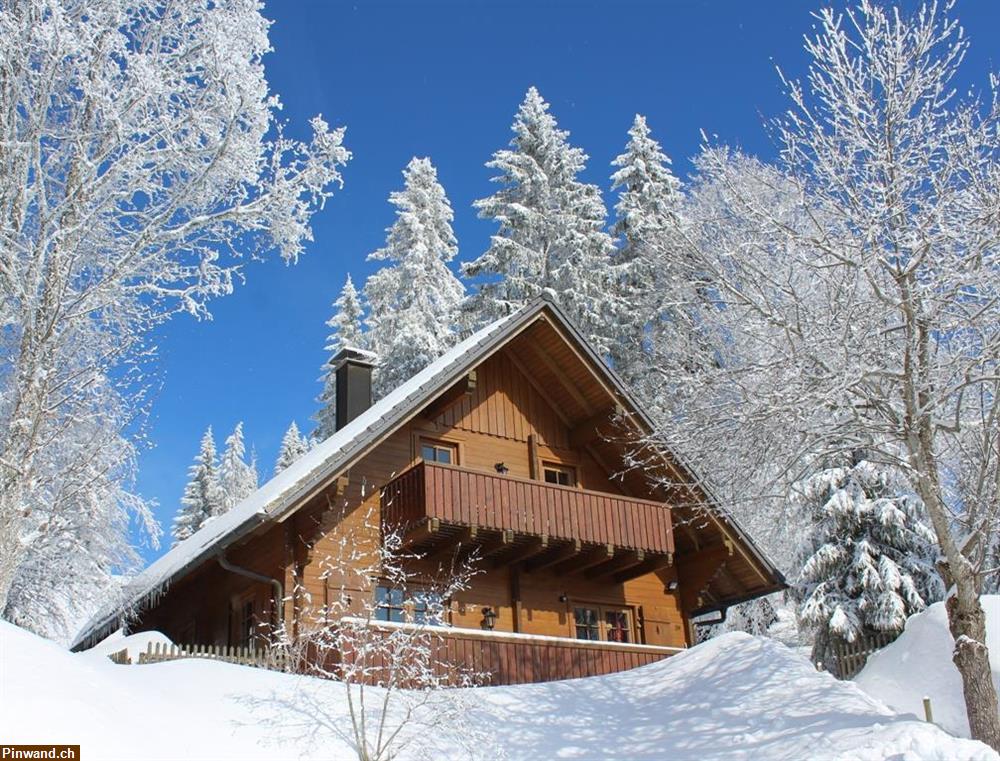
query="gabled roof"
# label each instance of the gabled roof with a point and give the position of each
(291, 487)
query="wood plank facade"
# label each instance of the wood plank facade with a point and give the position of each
(522, 457)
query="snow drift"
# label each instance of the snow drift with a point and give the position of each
(735, 697)
(919, 664)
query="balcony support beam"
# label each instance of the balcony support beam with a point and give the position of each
(557, 555)
(422, 531)
(588, 559)
(649, 565)
(453, 544)
(533, 547)
(620, 562)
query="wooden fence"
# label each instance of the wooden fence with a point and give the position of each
(851, 657)
(157, 652)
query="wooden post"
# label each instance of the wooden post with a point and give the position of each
(928, 713)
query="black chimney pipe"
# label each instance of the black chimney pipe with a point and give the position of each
(354, 383)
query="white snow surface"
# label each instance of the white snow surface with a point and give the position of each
(919, 664)
(733, 698)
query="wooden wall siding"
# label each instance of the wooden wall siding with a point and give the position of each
(505, 404)
(523, 661)
(470, 498)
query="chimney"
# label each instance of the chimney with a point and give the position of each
(353, 367)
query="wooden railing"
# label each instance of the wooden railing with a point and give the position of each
(502, 658)
(157, 652)
(499, 502)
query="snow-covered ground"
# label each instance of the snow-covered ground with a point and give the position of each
(735, 697)
(918, 664)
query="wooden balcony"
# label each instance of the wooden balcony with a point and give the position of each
(444, 509)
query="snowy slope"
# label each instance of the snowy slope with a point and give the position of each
(735, 697)
(919, 663)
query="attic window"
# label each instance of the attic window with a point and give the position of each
(564, 475)
(439, 451)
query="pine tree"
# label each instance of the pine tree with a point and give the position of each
(868, 563)
(648, 279)
(202, 498)
(413, 303)
(293, 446)
(345, 325)
(237, 478)
(551, 228)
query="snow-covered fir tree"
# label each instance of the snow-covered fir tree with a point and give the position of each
(237, 477)
(413, 303)
(202, 498)
(345, 325)
(869, 560)
(551, 228)
(654, 282)
(293, 446)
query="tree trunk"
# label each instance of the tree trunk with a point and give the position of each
(971, 657)
(966, 618)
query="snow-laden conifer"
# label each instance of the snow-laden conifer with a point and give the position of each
(551, 233)
(655, 285)
(293, 446)
(202, 496)
(237, 477)
(345, 330)
(868, 563)
(413, 302)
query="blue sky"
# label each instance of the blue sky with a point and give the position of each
(443, 80)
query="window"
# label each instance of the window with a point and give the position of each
(594, 622)
(587, 623)
(564, 475)
(392, 604)
(389, 604)
(246, 623)
(439, 451)
(616, 625)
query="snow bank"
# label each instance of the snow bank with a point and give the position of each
(919, 664)
(734, 698)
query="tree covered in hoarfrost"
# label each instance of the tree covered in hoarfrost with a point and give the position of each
(877, 299)
(142, 163)
(413, 303)
(82, 503)
(293, 446)
(381, 634)
(203, 498)
(659, 332)
(237, 477)
(346, 330)
(868, 563)
(551, 228)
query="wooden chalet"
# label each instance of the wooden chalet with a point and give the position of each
(515, 443)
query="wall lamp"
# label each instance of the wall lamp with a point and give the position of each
(489, 619)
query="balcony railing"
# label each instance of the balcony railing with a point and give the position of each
(503, 658)
(614, 531)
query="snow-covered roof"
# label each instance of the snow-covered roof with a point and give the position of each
(286, 490)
